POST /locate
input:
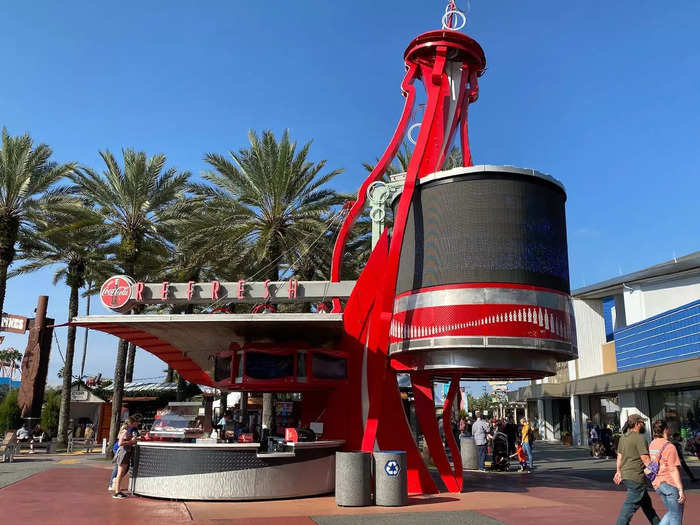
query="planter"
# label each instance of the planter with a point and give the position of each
(567, 440)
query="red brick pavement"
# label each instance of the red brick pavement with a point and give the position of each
(78, 495)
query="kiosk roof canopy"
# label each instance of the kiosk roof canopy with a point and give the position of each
(187, 342)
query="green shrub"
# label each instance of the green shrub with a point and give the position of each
(50, 411)
(10, 415)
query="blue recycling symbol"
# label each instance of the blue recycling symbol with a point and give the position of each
(392, 468)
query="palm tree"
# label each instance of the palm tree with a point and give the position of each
(134, 203)
(27, 192)
(263, 207)
(79, 250)
(265, 204)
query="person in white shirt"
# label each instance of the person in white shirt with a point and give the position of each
(480, 431)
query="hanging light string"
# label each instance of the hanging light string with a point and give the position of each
(332, 223)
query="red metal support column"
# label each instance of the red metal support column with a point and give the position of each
(425, 410)
(449, 436)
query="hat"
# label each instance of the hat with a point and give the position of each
(633, 419)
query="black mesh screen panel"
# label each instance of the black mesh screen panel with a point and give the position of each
(486, 227)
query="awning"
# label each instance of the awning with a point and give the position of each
(188, 343)
(537, 391)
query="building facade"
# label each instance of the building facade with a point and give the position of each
(639, 352)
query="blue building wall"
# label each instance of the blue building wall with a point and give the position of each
(669, 336)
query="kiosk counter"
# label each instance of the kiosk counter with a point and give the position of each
(233, 471)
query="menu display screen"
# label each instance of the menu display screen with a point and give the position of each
(489, 227)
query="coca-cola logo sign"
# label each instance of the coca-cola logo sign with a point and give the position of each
(115, 293)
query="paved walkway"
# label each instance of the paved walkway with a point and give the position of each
(567, 487)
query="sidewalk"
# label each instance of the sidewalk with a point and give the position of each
(568, 487)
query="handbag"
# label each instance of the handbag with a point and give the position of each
(652, 469)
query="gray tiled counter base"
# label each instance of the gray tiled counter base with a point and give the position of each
(233, 471)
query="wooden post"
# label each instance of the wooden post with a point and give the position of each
(35, 363)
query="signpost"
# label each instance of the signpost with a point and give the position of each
(14, 323)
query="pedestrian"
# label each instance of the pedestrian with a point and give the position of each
(679, 449)
(122, 458)
(520, 454)
(511, 431)
(481, 431)
(115, 448)
(526, 439)
(667, 482)
(632, 457)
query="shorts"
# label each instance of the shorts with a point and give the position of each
(122, 457)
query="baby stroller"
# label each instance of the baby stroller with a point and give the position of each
(500, 452)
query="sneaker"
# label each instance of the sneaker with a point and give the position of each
(110, 488)
(119, 495)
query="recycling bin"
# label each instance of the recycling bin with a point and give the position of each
(353, 485)
(391, 488)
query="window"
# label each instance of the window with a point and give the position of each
(222, 368)
(605, 411)
(262, 365)
(680, 409)
(324, 366)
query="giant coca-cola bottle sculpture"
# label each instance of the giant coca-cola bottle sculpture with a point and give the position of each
(472, 281)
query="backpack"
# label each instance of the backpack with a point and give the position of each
(652, 469)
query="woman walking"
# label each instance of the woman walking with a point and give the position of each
(526, 440)
(122, 458)
(667, 482)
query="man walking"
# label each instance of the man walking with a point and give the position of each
(632, 457)
(480, 431)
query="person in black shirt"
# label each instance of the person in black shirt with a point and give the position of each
(511, 432)
(679, 448)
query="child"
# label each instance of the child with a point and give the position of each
(522, 457)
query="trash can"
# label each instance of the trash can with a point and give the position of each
(353, 483)
(391, 489)
(469, 453)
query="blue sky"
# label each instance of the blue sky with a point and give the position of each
(601, 95)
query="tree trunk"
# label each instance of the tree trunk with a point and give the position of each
(170, 376)
(87, 330)
(181, 386)
(130, 356)
(4, 265)
(118, 394)
(223, 402)
(9, 226)
(64, 414)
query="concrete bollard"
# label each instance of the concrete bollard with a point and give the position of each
(390, 480)
(353, 485)
(469, 454)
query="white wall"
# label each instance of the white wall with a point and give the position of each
(590, 333)
(659, 298)
(635, 402)
(646, 300)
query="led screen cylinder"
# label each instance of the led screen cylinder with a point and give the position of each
(483, 282)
